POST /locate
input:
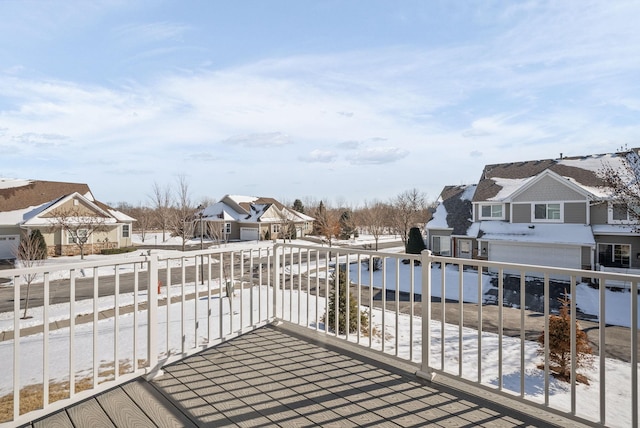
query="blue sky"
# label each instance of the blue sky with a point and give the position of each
(340, 100)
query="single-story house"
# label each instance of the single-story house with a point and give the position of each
(248, 218)
(552, 212)
(65, 213)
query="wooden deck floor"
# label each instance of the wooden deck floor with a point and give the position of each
(282, 376)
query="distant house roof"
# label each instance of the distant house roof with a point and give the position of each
(21, 201)
(19, 194)
(454, 210)
(251, 209)
(499, 181)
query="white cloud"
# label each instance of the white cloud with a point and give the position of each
(320, 156)
(378, 155)
(264, 140)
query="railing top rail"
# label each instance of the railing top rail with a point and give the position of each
(527, 268)
(345, 250)
(87, 264)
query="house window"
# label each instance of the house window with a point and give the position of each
(547, 212)
(275, 228)
(441, 245)
(125, 230)
(465, 247)
(493, 211)
(226, 229)
(80, 235)
(614, 255)
(622, 213)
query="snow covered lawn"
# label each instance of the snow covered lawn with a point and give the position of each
(617, 373)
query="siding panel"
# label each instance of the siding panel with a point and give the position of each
(521, 213)
(549, 189)
(575, 212)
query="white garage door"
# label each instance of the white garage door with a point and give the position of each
(553, 256)
(8, 245)
(249, 234)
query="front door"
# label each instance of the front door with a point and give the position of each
(464, 248)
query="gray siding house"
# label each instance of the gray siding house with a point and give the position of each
(552, 212)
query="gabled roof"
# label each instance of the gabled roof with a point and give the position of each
(454, 210)
(22, 201)
(499, 181)
(20, 194)
(45, 217)
(251, 209)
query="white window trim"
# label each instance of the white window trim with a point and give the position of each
(71, 239)
(610, 218)
(613, 245)
(441, 238)
(481, 217)
(547, 220)
(126, 227)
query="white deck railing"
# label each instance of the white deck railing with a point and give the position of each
(180, 305)
(176, 306)
(500, 337)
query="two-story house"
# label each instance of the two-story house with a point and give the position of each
(552, 212)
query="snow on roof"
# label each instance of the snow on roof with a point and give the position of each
(613, 229)
(439, 218)
(18, 216)
(594, 163)
(508, 185)
(220, 211)
(120, 216)
(303, 216)
(7, 183)
(468, 193)
(242, 199)
(569, 234)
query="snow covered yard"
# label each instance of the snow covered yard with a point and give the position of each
(617, 373)
(618, 380)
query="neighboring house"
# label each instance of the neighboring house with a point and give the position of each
(248, 218)
(551, 212)
(26, 205)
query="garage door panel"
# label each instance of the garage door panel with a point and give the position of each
(249, 234)
(553, 256)
(8, 246)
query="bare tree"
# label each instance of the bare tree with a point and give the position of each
(182, 220)
(409, 210)
(373, 218)
(144, 220)
(79, 224)
(287, 224)
(30, 252)
(622, 181)
(327, 223)
(161, 203)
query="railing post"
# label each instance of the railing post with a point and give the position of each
(425, 371)
(276, 280)
(152, 316)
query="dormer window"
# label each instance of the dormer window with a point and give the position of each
(547, 212)
(491, 211)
